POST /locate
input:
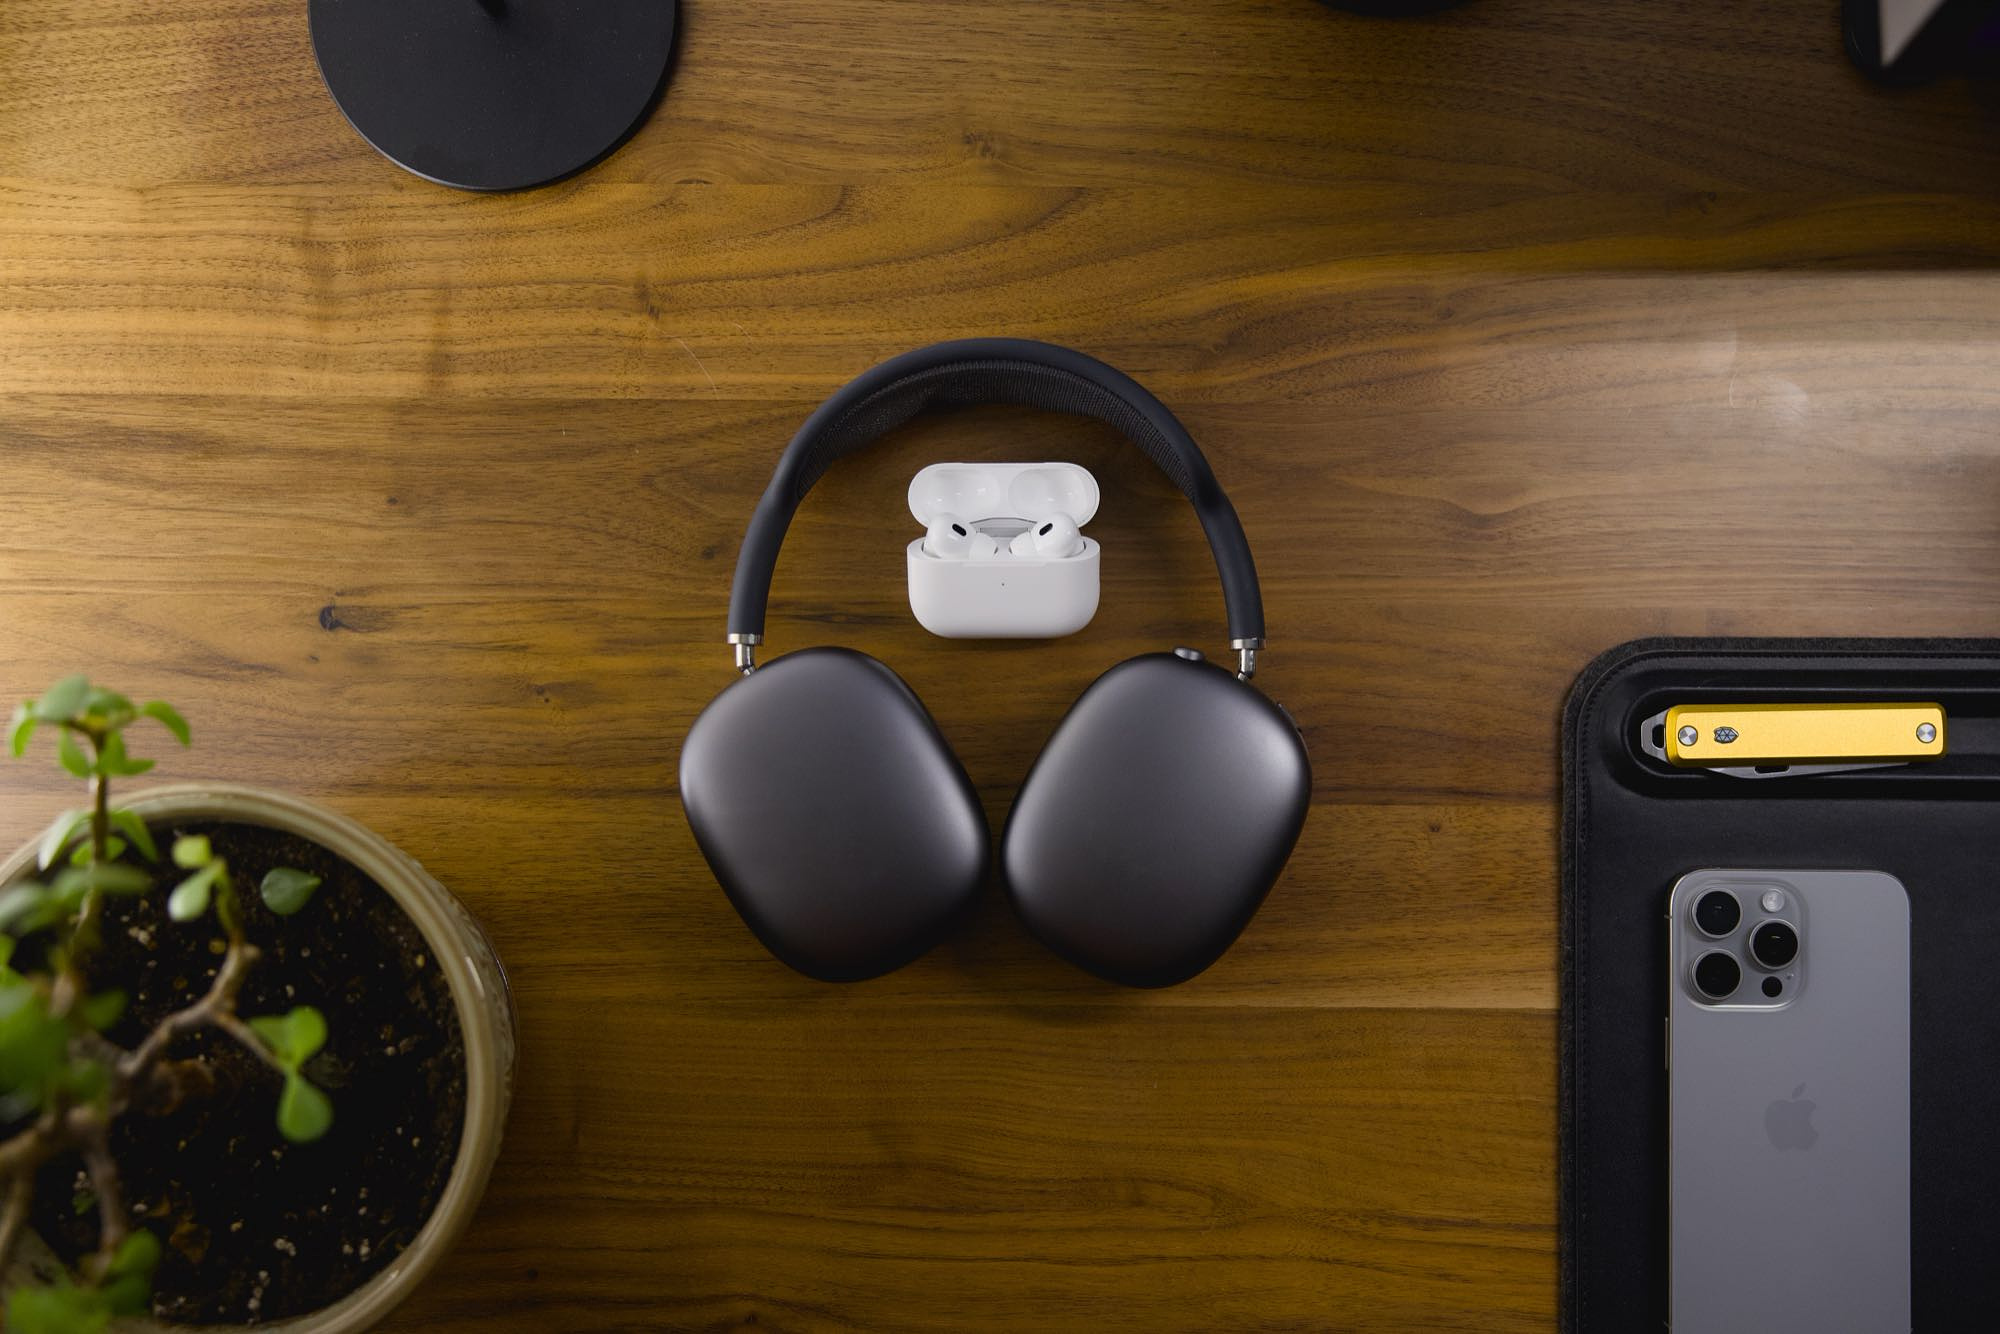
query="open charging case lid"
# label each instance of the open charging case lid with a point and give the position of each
(1007, 596)
(1026, 491)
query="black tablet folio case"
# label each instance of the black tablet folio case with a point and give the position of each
(1632, 826)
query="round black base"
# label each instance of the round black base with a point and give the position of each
(1960, 36)
(494, 94)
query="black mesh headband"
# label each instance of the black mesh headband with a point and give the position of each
(989, 371)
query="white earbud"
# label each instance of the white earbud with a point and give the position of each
(998, 554)
(952, 538)
(1051, 539)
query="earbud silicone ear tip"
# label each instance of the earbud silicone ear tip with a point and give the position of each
(1053, 538)
(952, 538)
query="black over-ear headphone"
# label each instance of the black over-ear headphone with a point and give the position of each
(847, 834)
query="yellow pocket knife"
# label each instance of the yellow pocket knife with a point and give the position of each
(1790, 740)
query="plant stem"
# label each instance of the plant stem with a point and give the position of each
(246, 1036)
(20, 1194)
(86, 1129)
(53, 1132)
(217, 1008)
(100, 814)
(84, 936)
(112, 1224)
(84, 939)
(20, 1156)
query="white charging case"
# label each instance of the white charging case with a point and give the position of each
(1004, 596)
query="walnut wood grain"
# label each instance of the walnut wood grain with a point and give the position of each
(1393, 296)
(1535, 94)
(1017, 1166)
(1515, 332)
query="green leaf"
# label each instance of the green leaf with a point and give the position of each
(83, 853)
(110, 756)
(128, 1282)
(130, 1295)
(20, 726)
(114, 762)
(192, 850)
(119, 878)
(6, 955)
(101, 1009)
(167, 716)
(139, 1254)
(190, 897)
(85, 1081)
(129, 824)
(273, 1030)
(68, 889)
(304, 1113)
(24, 908)
(34, 1046)
(71, 754)
(110, 877)
(64, 699)
(308, 1032)
(58, 836)
(104, 702)
(61, 1309)
(287, 889)
(293, 1038)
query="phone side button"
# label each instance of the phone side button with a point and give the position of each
(1667, 1043)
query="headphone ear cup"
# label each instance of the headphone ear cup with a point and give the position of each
(833, 813)
(1155, 820)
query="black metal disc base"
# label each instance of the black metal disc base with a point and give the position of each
(494, 94)
(1960, 36)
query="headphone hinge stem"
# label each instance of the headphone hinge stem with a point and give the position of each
(1246, 657)
(746, 651)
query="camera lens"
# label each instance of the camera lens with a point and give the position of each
(1716, 975)
(1774, 944)
(1717, 912)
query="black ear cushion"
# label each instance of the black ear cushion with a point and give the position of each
(833, 813)
(1156, 819)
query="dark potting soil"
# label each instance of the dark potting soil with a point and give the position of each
(255, 1228)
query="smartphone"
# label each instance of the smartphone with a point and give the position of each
(1788, 1119)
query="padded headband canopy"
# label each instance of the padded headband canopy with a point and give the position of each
(977, 371)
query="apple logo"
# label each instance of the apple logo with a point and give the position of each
(1788, 1121)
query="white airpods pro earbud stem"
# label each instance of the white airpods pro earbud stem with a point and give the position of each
(1054, 538)
(952, 538)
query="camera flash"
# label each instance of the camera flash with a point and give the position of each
(1772, 900)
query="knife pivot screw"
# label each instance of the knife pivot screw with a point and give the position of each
(1689, 736)
(1725, 735)
(1926, 733)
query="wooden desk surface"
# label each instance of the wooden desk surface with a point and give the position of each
(1514, 332)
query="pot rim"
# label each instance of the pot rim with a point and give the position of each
(479, 990)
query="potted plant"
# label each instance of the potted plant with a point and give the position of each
(254, 1062)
